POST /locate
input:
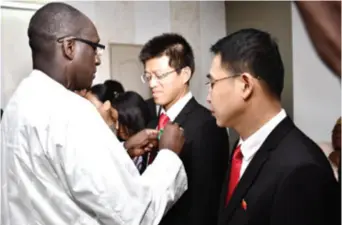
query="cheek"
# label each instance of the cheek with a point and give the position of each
(170, 88)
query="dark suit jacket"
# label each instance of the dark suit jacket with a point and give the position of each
(288, 182)
(205, 157)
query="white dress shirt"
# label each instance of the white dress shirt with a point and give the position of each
(252, 144)
(62, 165)
(176, 108)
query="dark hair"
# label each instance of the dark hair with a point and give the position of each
(172, 45)
(108, 90)
(52, 21)
(254, 51)
(133, 111)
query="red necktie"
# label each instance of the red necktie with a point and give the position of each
(163, 120)
(234, 172)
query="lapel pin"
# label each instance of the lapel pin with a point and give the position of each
(244, 204)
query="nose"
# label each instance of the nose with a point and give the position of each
(153, 82)
(209, 97)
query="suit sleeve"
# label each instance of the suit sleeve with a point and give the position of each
(308, 196)
(210, 152)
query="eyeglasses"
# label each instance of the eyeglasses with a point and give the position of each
(147, 77)
(98, 48)
(211, 81)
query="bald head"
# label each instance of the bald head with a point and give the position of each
(52, 21)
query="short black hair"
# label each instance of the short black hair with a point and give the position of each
(172, 45)
(108, 90)
(254, 51)
(50, 22)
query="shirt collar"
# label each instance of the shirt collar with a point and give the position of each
(176, 108)
(252, 144)
(46, 79)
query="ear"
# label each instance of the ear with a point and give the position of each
(186, 74)
(247, 85)
(68, 47)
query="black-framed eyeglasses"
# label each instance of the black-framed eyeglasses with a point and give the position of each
(211, 81)
(147, 77)
(98, 48)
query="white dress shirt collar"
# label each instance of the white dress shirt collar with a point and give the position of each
(174, 110)
(252, 144)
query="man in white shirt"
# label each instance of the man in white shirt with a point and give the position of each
(60, 162)
(276, 175)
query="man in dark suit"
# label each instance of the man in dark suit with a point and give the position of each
(276, 174)
(169, 64)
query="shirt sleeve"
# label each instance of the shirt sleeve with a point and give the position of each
(104, 181)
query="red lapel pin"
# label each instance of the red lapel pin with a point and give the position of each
(244, 204)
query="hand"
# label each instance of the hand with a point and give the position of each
(172, 138)
(141, 142)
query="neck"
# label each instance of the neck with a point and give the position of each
(180, 95)
(257, 115)
(53, 71)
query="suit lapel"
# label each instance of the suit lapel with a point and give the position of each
(181, 118)
(256, 164)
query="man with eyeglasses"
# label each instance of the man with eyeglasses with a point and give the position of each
(276, 175)
(168, 67)
(60, 162)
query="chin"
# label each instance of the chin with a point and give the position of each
(159, 101)
(219, 122)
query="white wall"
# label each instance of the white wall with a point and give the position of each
(317, 93)
(201, 23)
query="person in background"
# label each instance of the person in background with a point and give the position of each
(133, 114)
(276, 175)
(129, 113)
(60, 163)
(333, 150)
(114, 85)
(168, 67)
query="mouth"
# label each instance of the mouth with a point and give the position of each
(155, 93)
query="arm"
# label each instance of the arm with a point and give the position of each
(104, 181)
(209, 163)
(322, 20)
(308, 196)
